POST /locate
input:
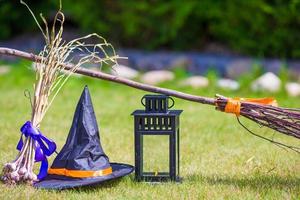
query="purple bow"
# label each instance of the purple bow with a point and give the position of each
(43, 146)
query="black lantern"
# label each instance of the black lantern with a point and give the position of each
(157, 120)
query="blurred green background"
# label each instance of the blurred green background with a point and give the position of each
(257, 27)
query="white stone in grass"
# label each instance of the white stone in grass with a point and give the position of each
(293, 89)
(228, 84)
(4, 69)
(238, 67)
(124, 71)
(157, 76)
(268, 82)
(196, 82)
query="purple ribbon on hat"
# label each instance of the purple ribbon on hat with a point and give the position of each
(43, 146)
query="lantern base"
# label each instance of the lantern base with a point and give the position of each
(158, 177)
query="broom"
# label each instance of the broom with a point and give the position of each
(263, 111)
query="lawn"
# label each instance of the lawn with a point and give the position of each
(219, 159)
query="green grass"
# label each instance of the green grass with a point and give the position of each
(219, 159)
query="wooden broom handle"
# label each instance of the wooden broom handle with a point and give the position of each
(112, 78)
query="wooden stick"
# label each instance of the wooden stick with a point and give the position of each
(112, 78)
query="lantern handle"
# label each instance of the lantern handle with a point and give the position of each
(173, 102)
(142, 101)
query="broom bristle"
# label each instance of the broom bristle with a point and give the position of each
(283, 120)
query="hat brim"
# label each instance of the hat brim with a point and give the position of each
(60, 183)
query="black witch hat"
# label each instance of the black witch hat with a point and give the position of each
(82, 160)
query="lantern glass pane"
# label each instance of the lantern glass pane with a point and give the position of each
(156, 153)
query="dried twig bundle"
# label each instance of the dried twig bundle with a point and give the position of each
(284, 120)
(265, 113)
(50, 77)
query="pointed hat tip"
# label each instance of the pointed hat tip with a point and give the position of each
(86, 89)
(85, 94)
